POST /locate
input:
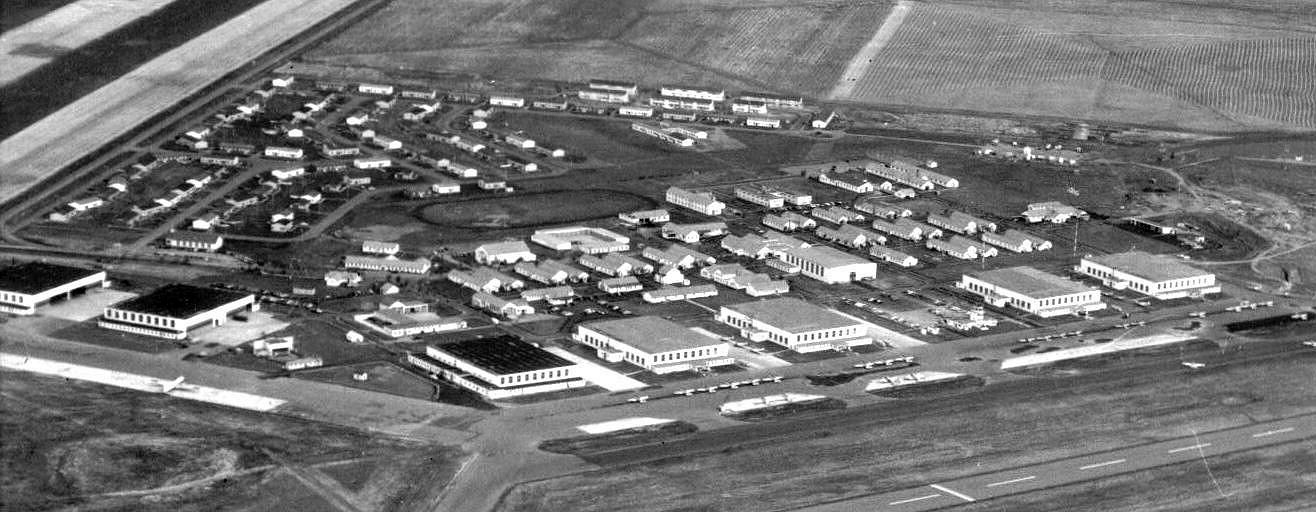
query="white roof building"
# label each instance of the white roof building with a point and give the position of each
(502, 253)
(830, 265)
(795, 324)
(589, 240)
(655, 344)
(1156, 276)
(702, 202)
(1033, 291)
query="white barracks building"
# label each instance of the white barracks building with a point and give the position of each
(1033, 291)
(658, 345)
(795, 324)
(1156, 276)
(702, 202)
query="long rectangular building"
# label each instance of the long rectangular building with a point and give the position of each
(1033, 291)
(173, 310)
(500, 367)
(829, 265)
(795, 324)
(24, 287)
(655, 344)
(1156, 276)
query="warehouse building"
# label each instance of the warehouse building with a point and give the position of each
(604, 96)
(658, 345)
(795, 324)
(500, 367)
(1156, 276)
(829, 265)
(173, 310)
(25, 287)
(1033, 291)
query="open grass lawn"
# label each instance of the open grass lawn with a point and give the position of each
(1040, 423)
(537, 209)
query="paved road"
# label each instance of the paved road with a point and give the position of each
(1088, 467)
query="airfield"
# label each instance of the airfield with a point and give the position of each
(318, 136)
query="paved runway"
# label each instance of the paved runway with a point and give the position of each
(938, 495)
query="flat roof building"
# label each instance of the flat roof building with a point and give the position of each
(1033, 291)
(655, 344)
(588, 240)
(829, 265)
(173, 310)
(795, 324)
(26, 286)
(1156, 276)
(500, 367)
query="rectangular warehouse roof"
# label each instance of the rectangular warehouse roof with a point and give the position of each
(35, 277)
(1031, 282)
(504, 355)
(179, 301)
(793, 315)
(652, 334)
(1148, 266)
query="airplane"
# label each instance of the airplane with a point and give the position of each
(1193, 365)
(168, 386)
(1311, 344)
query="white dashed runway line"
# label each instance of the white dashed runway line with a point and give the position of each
(1036, 477)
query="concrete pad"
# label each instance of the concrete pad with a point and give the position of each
(755, 360)
(598, 374)
(882, 334)
(621, 424)
(138, 382)
(86, 307)
(1093, 350)
(233, 333)
(906, 379)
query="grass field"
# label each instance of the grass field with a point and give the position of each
(1193, 70)
(533, 209)
(114, 449)
(799, 48)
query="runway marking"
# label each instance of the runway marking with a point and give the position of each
(946, 490)
(1015, 481)
(1186, 448)
(911, 500)
(1100, 464)
(1273, 432)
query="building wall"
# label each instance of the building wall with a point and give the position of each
(1043, 306)
(810, 341)
(25, 304)
(170, 327)
(1163, 290)
(511, 379)
(659, 362)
